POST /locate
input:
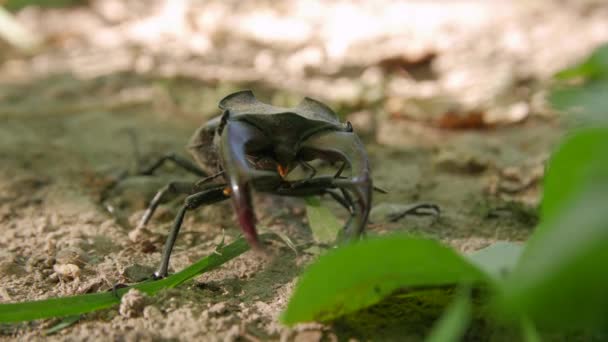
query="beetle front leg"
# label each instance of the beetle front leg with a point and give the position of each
(346, 146)
(236, 139)
(208, 196)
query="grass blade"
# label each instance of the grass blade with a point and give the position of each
(65, 323)
(75, 305)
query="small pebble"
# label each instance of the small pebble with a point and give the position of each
(217, 309)
(71, 255)
(309, 336)
(152, 313)
(67, 271)
(132, 304)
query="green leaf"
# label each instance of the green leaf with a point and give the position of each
(561, 281)
(497, 260)
(587, 104)
(596, 66)
(586, 100)
(75, 305)
(571, 166)
(361, 274)
(15, 5)
(324, 225)
(454, 322)
(528, 330)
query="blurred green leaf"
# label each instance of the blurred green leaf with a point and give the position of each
(15, 5)
(528, 331)
(587, 100)
(454, 322)
(324, 225)
(594, 67)
(571, 166)
(361, 274)
(561, 281)
(587, 103)
(498, 259)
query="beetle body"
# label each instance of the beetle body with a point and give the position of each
(284, 128)
(255, 145)
(252, 146)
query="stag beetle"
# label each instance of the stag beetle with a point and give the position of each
(253, 145)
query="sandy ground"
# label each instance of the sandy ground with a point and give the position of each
(65, 135)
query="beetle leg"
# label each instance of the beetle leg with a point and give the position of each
(209, 178)
(345, 146)
(417, 209)
(209, 196)
(309, 167)
(238, 138)
(340, 170)
(344, 201)
(339, 175)
(178, 160)
(173, 188)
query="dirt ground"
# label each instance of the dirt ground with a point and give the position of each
(450, 106)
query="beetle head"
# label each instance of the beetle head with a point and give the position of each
(285, 156)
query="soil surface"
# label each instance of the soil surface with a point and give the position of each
(453, 116)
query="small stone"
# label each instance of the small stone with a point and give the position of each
(152, 313)
(34, 263)
(53, 278)
(454, 162)
(217, 309)
(71, 255)
(132, 304)
(67, 271)
(137, 273)
(4, 295)
(233, 333)
(43, 224)
(139, 235)
(308, 336)
(8, 264)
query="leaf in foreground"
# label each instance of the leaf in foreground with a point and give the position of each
(362, 274)
(572, 166)
(595, 67)
(498, 259)
(75, 305)
(454, 322)
(561, 280)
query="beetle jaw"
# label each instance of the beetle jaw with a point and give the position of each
(282, 170)
(241, 202)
